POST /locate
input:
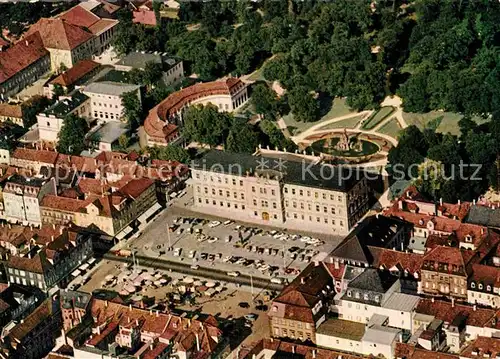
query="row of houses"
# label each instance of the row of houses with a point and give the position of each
(111, 191)
(55, 44)
(385, 285)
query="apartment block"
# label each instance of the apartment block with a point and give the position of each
(105, 99)
(22, 197)
(51, 120)
(237, 186)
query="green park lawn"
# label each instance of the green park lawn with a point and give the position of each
(444, 122)
(351, 123)
(378, 117)
(391, 128)
(339, 108)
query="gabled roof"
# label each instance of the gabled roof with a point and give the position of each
(12, 111)
(375, 231)
(388, 258)
(21, 55)
(59, 34)
(79, 16)
(39, 315)
(373, 280)
(75, 73)
(42, 156)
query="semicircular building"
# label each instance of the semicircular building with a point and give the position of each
(161, 127)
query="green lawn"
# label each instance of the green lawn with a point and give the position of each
(339, 108)
(378, 117)
(446, 121)
(391, 128)
(257, 75)
(347, 123)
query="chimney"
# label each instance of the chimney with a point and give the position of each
(474, 307)
(130, 307)
(157, 314)
(106, 303)
(98, 330)
(336, 264)
(452, 302)
(197, 342)
(473, 202)
(26, 43)
(316, 263)
(459, 202)
(441, 201)
(302, 280)
(432, 299)
(137, 322)
(293, 349)
(151, 346)
(314, 353)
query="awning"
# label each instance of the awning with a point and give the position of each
(123, 233)
(83, 267)
(76, 273)
(91, 260)
(149, 212)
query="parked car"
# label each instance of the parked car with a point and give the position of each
(214, 224)
(192, 253)
(251, 317)
(243, 305)
(177, 252)
(233, 274)
(195, 266)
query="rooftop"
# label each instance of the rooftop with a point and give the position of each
(138, 60)
(110, 88)
(484, 216)
(402, 302)
(12, 111)
(66, 105)
(299, 173)
(59, 34)
(21, 55)
(380, 334)
(75, 73)
(373, 280)
(342, 329)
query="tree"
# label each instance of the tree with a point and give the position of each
(303, 105)
(274, 138)
(205, 124)
(123, 141)
(170, 152)
(241, 138)
(58, 91)
(265, 101)
(132, 109)
(152, 73)
(72, 135)
(32, 107)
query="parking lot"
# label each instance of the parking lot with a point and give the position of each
(232, 247)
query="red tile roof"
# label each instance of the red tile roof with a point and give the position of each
(79, 16)
(144, 17)
(102, 25)
(42, 156)
(59, 34)
(62, 203)
(408, 351)
(388, 258)
(485, 274)
(21, 55)
(447, 312)
(136, 187)
(158, 117)
(40, 314)
(13, 111)
(75, 73)
(483, 347)
(301, 350)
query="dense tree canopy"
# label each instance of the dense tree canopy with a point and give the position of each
(205, 124)
(171, 152)
(435, 54)
(72, 135)
(132, 109)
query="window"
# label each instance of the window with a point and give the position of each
(333, 210)
(242, 196)
(253, 189)
(325, 209)
(272, 192)
(241, 183)
(301, 192)
(293, 190)
(317, 208)
(324, 195)
(286, 189)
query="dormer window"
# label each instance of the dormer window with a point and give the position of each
(473, 285)
(468, 238)
(480, 286)
(349, 293)
(488, 288)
